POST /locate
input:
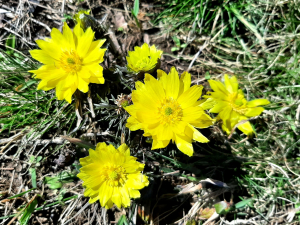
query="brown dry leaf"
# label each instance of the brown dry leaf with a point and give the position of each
(142, 16)
(120, 21)
(19, 87)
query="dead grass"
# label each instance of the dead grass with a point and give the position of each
(257, 179)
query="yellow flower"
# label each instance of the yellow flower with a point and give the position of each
(229, 101)
(167, 109)
(71, 60)
(80, 18)
(143, 59)
(112, 176)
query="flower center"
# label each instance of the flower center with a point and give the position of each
(144, 63)
(170, 111)
(70, 61)
(115, 176)
(238, 103)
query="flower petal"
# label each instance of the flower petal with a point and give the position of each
(231, 84)
(246, 128)
(208, 104)
(251, 112)
(189, 97)
(203, 122)
(172, 87)
(84, 42)
(218, 107)
(43, 57)
(185, 81)
(184, 144)
(133, 124)
(218, 86)
(156, 144)
(197, 136)
(257, 102)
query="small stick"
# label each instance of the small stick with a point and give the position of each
(42, 24)
(23, 39)
(90, 101)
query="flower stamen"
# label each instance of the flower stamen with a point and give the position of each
(238, 103)
(115, 176)
(170, 111)
(70, 61)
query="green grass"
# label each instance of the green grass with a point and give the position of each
(258, 41)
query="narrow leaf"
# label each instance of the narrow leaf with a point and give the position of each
(32, 172)
(28, 211)
(136, 8)
(122, 220)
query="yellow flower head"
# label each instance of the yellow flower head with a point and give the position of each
(112, 176)
(80, 18)
(143, 59)
(71, 60)
(167, 109)
(229, 101)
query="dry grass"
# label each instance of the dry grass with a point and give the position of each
(256, 40)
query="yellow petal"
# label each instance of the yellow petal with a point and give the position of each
(131, 109)
(43, 85)
(218, 86)
(185, 81)
(68, 95)
(203, 122)
(124, 148)
(162, 78)
(101, 146)
(231, 84)
(246, 128)
(258, 102)
(133, 124)
(84, 72)
(134, 193)
(49, 48)
(172, 87)
(68, 35)
(95, 54)
(208, 104)
(78, 32)
(192, 114)
(184, 144)
(42, 56)
(225, 114)
(125, 197)
(195, 134)
(218, 107)
(83, 85)
(93, 200)
(159, 144)
(164, 132)
(154, 88)
(85, 161)
(251, 112)
(106, 193)
(84, 42)
(59, 40)
(137, 181)
(96, 71)
(189, 97)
